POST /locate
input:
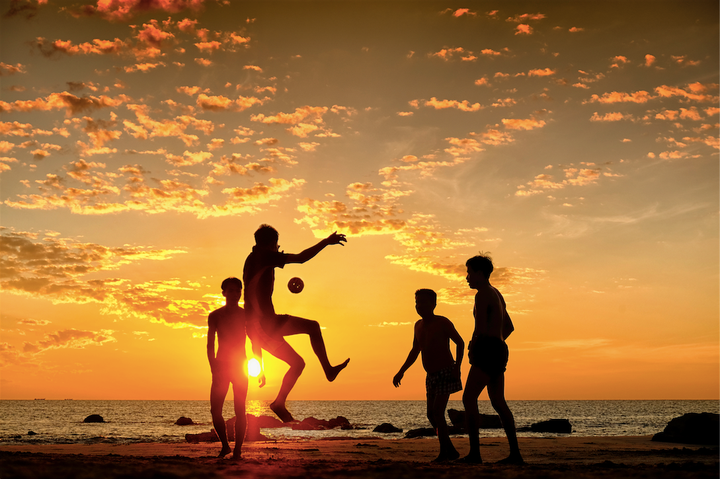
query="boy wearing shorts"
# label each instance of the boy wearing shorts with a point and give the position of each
(432, 339)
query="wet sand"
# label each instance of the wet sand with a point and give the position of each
(581, 457)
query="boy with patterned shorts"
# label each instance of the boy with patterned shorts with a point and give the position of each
(432, 338)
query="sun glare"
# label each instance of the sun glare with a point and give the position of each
(254, 368)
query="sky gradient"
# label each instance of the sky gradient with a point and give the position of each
(144, 142)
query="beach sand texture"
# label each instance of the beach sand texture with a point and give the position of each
(556, 457)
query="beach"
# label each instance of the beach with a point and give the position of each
(584, 457)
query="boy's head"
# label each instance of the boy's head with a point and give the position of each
(479, 269)
(232, 289)
(425, 302)
(266, 235)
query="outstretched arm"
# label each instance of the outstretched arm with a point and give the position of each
(412, 357)
(312, 251)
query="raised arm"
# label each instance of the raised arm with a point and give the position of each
(412, 357)
(312, 251)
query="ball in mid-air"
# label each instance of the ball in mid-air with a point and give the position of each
(295, 285)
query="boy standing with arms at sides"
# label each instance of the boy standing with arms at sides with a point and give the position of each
(228, 366)
(488, 355)
(432, 338)
(269, 329)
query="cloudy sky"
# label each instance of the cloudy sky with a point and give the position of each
(144, 142)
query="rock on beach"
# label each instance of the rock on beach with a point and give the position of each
(94, 418)
(692, 428)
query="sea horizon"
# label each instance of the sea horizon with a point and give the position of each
(61, 421)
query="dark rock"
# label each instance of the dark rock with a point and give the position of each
(386, 428)
(340, 422)
(94, 418)
(457, 418)
(32, 433)
(202, 437)
(267, 422)
(184, 421)
(420, 432)
(311, 424)
(485, 421)
(561, 426)
(692, 428)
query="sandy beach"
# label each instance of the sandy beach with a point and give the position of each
(584, 457)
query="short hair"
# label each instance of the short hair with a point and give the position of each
(426, 293)
(482, 263)
(229, 282)
(266, 234)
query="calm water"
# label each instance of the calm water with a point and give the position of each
(60, 422)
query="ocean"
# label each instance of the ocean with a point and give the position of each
(61, 421)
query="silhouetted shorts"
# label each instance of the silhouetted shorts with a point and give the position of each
(444, 381)
(490, 354)
(264, 331)
(226, 372)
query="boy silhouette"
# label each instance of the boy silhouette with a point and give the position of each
(269, 328)
(228, 366)
(488, 355)
(432, 339)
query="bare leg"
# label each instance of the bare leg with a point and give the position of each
(474, 385)
(437, 403)
(286, 353)
(294, 325)
(239, 398)
(218, 391)
(496, 392)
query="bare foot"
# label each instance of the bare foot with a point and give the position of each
(281, 412)
(512, 459)
(333, 372)
(471, 459)
(237, 456)
(224, 451)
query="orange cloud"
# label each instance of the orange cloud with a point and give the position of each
(520, 124)
(123, 10)
(525, 17)
(72, 104)
(460, 105)
(619, 97)
(614, 116)
(96, 47)
(221, 103)
(523, 29)
(6, 69)
(541, 72)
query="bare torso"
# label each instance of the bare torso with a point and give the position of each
(230, 328)
(433, 336)
(489, 312)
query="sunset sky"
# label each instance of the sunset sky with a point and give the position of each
(144, 142)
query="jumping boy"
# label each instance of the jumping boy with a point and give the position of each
(228, 366)
(488, 355)
(269, 328)
(432, 338)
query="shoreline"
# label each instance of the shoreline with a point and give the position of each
(584, 457)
